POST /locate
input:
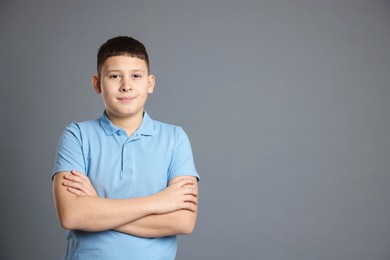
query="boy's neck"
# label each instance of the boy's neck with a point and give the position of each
(129, 124)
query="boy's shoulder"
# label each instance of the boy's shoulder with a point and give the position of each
(158, 123)
(86, 123)
(80, 126)
(161, 126)
(162, 129)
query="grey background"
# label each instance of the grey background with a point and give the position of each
(286, 104)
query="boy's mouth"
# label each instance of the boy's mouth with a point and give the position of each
(126, 99)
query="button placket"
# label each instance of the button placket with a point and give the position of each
(126, 159)
(127, 152)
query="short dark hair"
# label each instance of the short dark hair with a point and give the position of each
(121, 45)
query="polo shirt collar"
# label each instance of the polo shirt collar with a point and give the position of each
(146, 128)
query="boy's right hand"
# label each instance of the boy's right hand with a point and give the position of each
(179, 195)
(79, 184)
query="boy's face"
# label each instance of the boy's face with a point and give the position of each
(124, 83)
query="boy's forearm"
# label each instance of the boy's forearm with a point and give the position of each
(98, 214)
(181, 222)
(90, 213)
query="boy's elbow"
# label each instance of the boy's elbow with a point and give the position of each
(76, 220)
(66, 225)
(187, 226)
(69, 218)
(67, 221)
(187, 230)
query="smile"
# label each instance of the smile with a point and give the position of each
(126, 99)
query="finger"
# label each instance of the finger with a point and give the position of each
(74, 172)
(73, 180)
(77, 185)
(76, 191)
(186, 181)
(183, 180)
(77, 178)
(190, 191)
(73, 184)
(79, 174)
(70, 177)
(83, 183)
(189, 206)
(191, 199)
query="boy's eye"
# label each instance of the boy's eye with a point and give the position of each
(137, 76)
(114, 76)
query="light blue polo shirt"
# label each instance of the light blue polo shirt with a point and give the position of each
(122, 167)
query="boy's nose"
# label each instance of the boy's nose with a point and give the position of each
(126, 86)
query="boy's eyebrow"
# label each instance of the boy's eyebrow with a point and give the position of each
(134, 70)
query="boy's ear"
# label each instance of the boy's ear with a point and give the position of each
(96, 83)
(151, 83)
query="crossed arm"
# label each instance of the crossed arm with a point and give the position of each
(172, 211)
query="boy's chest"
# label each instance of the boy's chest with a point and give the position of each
(128, 168)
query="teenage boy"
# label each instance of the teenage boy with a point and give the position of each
(124, 185)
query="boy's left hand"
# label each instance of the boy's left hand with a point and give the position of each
(79, 184)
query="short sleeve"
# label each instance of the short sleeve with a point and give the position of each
(69, 151)
(182, 163)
